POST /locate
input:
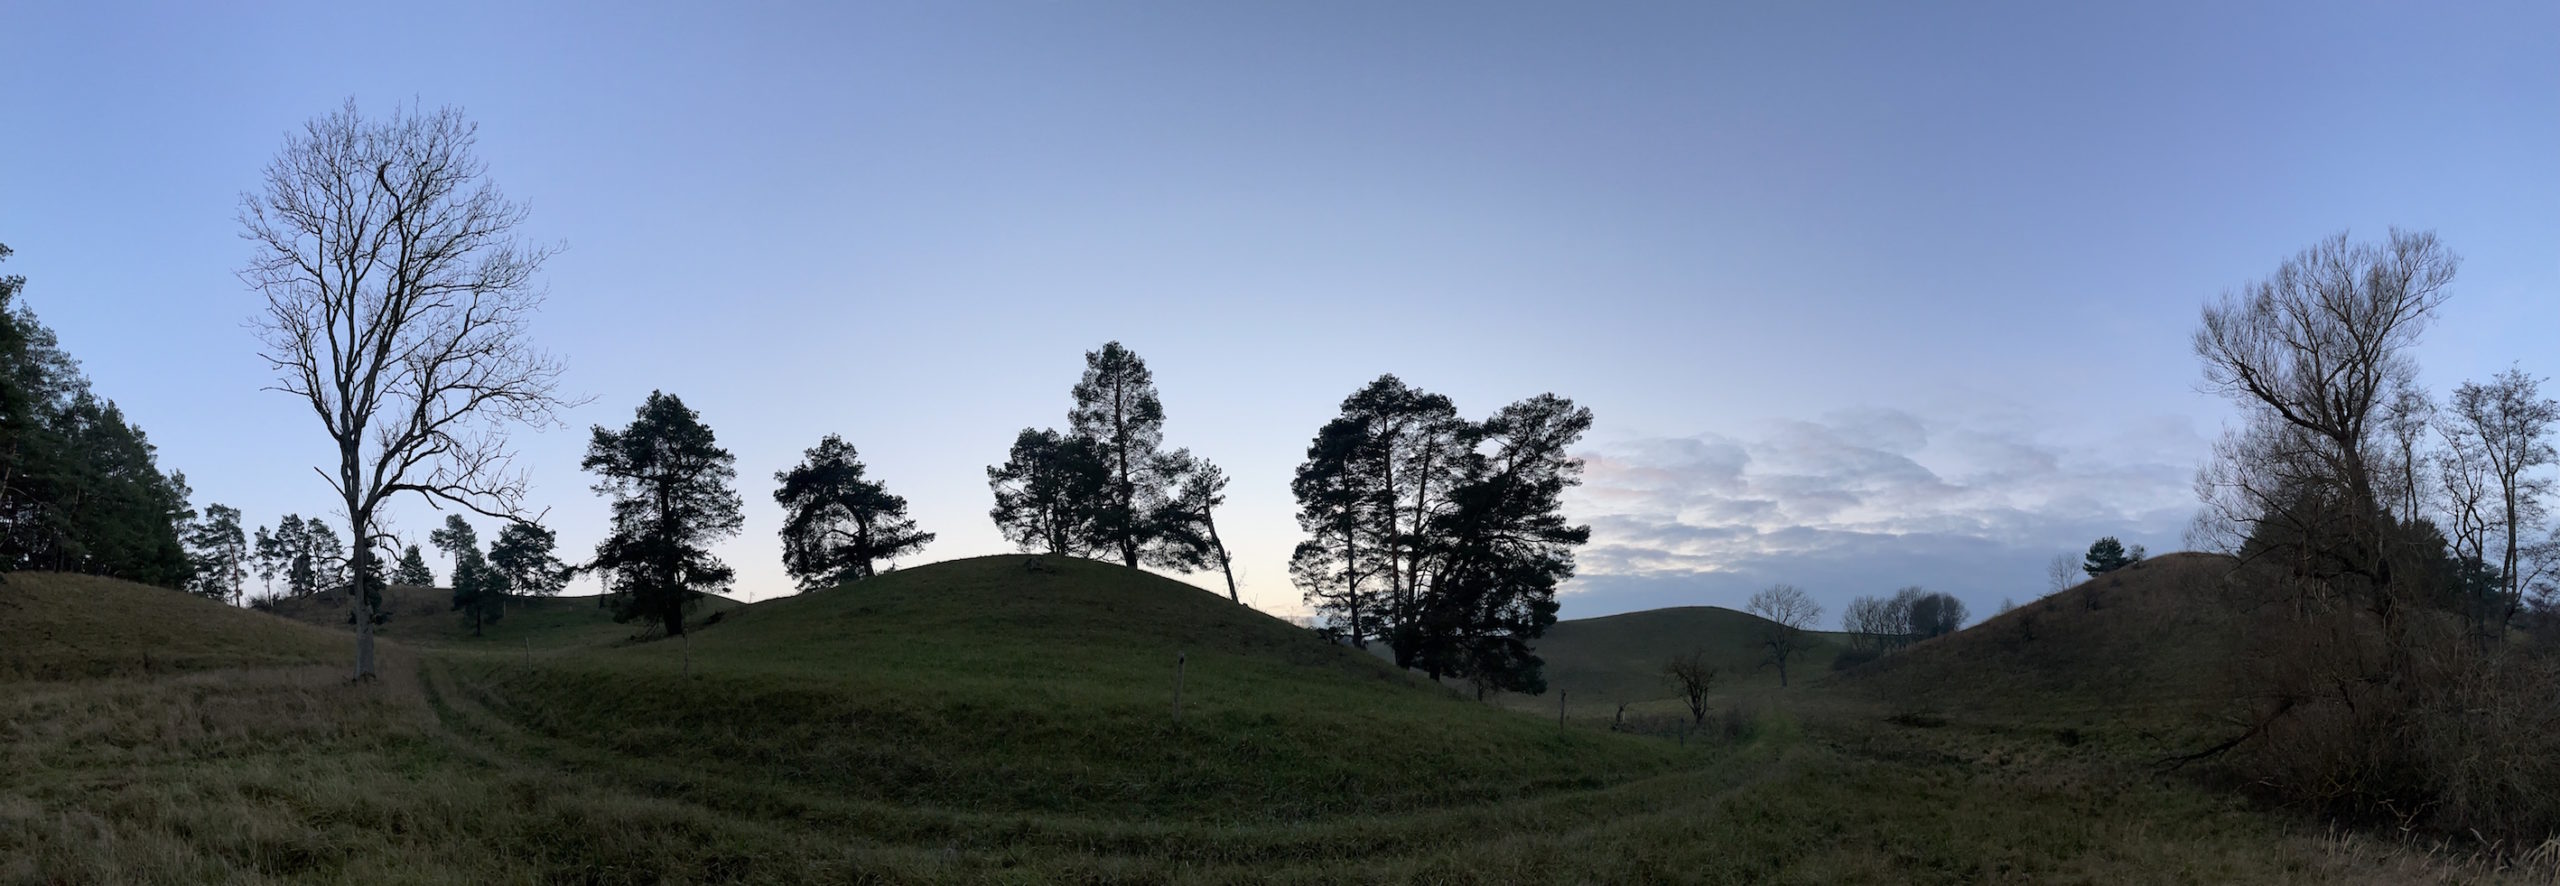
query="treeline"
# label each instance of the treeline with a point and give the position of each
(81, 488)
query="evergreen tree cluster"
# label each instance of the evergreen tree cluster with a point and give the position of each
(305, 553)
(1106, 487)
(81, 489)
(219, 554)
(1440, 536)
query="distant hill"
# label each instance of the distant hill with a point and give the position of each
(57, 626)
(2155, 639)
(420, 614)
(1600, 662)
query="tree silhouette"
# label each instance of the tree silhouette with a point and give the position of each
(80, 487)
(670, 485)
(1116, 408)
(1503, 547)
(479, 592)
(1443, 537)
(1332, 567)
(836, 523)
(397, 305)
(2105, 555)
(522, 556)
(413, 571)
(220, 552)
(1046, 492)
(1788, 612)
(1186, 525)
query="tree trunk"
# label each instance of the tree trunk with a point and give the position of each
(1224, 563)
(359, 515)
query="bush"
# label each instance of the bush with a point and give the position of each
(1850, 658)
(2417, 726)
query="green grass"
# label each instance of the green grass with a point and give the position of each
(1600, 663)
(976, 722)
(55, 627)
(2149, 649)
(425, 615)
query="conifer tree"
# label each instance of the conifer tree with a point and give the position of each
(1046, 494)
(479, 592)
(523, 558)
(413, 571)
(2105, 555)
(670, 485)
(220, 553)
(1116, 408)
(836, 523)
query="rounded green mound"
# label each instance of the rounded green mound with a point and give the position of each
(59, 626)
(1001, 685)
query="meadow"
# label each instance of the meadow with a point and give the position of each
(985, 721)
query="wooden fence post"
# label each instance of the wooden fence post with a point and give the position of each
(1179, 659)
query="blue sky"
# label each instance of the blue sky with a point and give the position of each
(1863, 295)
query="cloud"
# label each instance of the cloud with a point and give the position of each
(1863, 502)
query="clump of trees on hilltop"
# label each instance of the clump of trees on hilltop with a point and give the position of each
(1913, 614)
(1106, 486)
(1442, 537)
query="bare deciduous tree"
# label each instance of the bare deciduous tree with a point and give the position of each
(2061, 573)
(2405, 422)
(2312, 355)
(1790, 613)
(398, 297)
(1691, 674)
(2496, 435)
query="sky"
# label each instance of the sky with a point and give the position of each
(1862, 295)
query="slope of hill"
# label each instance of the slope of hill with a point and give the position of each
(982, 685)
(425, 615)
(2151, 642)
(1600, 663)
(977, 721)
(56, 626)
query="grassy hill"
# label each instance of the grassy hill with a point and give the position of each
(425, 615)
(977, 721)
(979, 684)
(1601, 662)
(2152, 643)
(55, 626)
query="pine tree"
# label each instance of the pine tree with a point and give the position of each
(1118, 410)
(2105, 555)
(479, 592)
(1504, 547)
(1445, 538)
(670, 485)
(413, 571)
(523, 559)
(220, 553)
(1335, 508)
(1046, 494)
(836, 523)
(1186, 525)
